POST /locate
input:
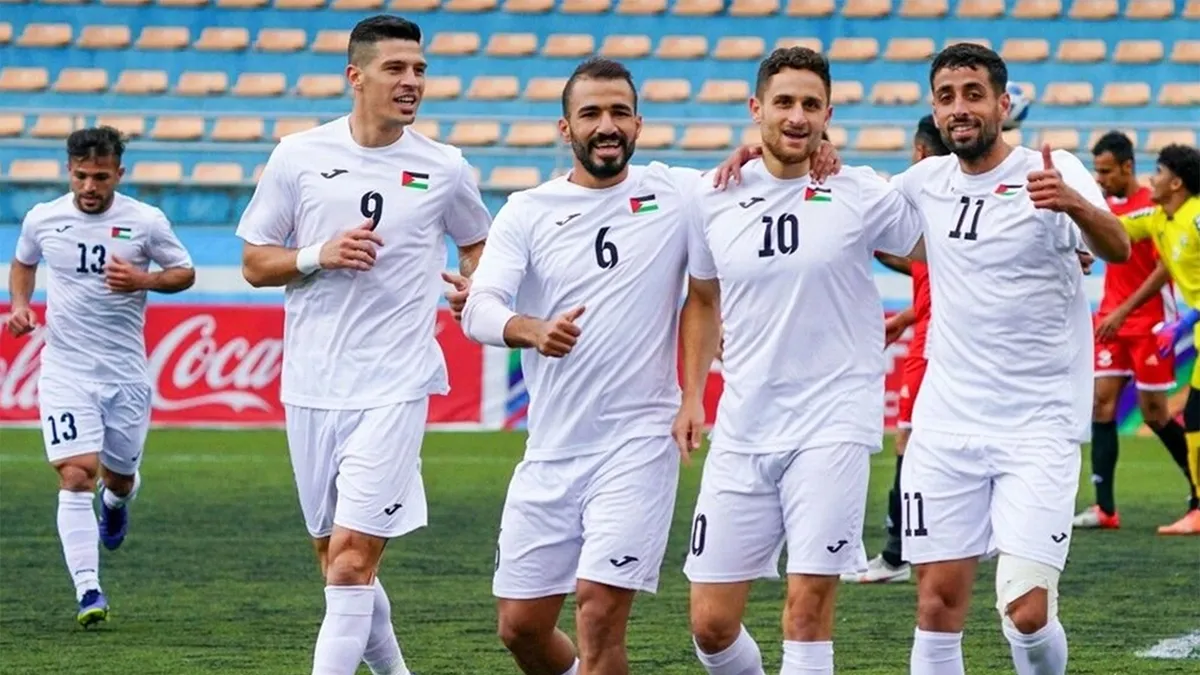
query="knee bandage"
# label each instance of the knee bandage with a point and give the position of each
(1017, 576)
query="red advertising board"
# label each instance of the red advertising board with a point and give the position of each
(220, 365)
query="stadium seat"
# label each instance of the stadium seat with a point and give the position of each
(194, 83)
(706, 137)
(141, 82)
(667, 90)
(1060, 139)
(469, 6)
(428, 128)
(6, 32)
(909, 49)
(1185, 51)
(220, 173)
(980, 9)
(514, 177)
(317, 86)
(1138, 51)
(356, 5)
(454, 44)
(810, 42)
(475, 133)
(1180, 94)
(494, 88)
(103, 37)
(532, 134)
(45, 35)
(442, 88)
(130, 126)
(625, 46)
(1081, 51)
(1150, 9)
(641, 7)
(214, 39)
(238, 129)
(24, 79)
(854, 49)
(751, 136)
(545, 88)
(876, 139)
(11, 124)
(724, 91)
(896, 93)
(1068, 93)
(1093, 10)
(81, 81)
(1192, 10)
(983, 42)
(1025, 51)
(177, 129)
(125, 3)
(697, 7)
(54, 126)
(412, 5)
(1036, 9)
(739, 49)
(280, 40)
(584, 6)
(259, 85)
(838, 137)
(1028, 90)
(867, 9)
(1125, 94)
(291, 125)
(512, 44)
(331, 42)
(569, 46)
(656, 136)
(156, 172)
(754, 8)
(164, 38)
(680, 47)
(1013, 137)
(528, 6)
(1158, 139)
(182, 3)
(924, 9)
(845, 92)
(242, 4)
(810, 8)
(35, 169)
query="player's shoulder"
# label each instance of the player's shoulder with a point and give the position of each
(42, 212)
(124, 206)
(856, 177)
(932, 167)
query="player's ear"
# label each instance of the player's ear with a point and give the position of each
(354, 76)
(1005, 104)
(564, 130)
(755, 109)
(120, 172)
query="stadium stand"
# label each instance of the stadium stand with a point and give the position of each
(205, 87)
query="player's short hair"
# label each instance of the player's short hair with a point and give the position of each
(378, 28)
(1183, 161)
(1115, 143)
(928, 135)
(971, 55)
(793, 58)
(597, 68)
(95, 142)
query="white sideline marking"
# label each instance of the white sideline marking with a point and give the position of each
(1182, 647)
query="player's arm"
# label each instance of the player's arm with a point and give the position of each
(1064, 185)
(892, 222)
(1151, 287)
(468, 221)
(894, 263)
(22, 279)
(177, 273)
(699, 335)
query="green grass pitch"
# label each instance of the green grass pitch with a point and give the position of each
(217, 575)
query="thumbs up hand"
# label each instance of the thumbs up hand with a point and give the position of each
(457, 297)
(556, 337)
(1046, 187)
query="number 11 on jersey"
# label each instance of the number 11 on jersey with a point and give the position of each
(971, 234)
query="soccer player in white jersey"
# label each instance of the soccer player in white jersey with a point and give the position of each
(785, 266)
(360, 354)
(993, 462)
(93, 388)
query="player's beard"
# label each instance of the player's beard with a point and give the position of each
(774, 142)
(606, 168)
(989, 131)
(102, 202)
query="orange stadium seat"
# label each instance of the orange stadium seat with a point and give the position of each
(54, 126)
(130, 126)
(1150, 9)
(810, 42)
(845, 92)
(1012, 137)
(810, 8)
(35, 169)
(443, 88)
(157, 172)
(854, 49)
(1179, 94)
(512, 44)
(475, 133)
(356, 5)
(469, 6)
(838, 137)
(641, 7)
(706, 137)
(1081, 51)
(528, 6)
(584, 6)
(984, 42)
(24, 79)
(1125, 94)
(45, 35)
(6, 32)
(81, 81)
(1158, 139)
(1037, 9)
(141, 82)
(331, 42)
(980, 9)
(754, 8)
(238, 129)
(412, 5)
(679, 47)
(724, 91)
(896, 93)
(104, 37)
(1185, 51)
(514, 177)
(532, 134)
(280, 40)
(697, 7)
(1027, 89)
(222, 40)
(924, 9)
(625, 46)
(909, 49)
(1025, 51)
(454, 44)
(256, 85)
(1192, 10)
(1068, 93)
(1093, 10)
(545, 88)
(881, 139)
(569, 46)
(319, 86)
(657, 136)
(494, 88)
(125, 3)
(182, 3)
(164, 37)
(194, 83)
(1060, 139)
(242, 4)
(428, 128)
(667, 90)
(11, 124)
(751, 136)
(1139, 51)
(291, 125)
(867, 9)
(177, 129)
(218, 173)
(739, 49)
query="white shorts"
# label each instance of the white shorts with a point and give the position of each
(750, 505)
(81, 418)
(359, 469)
(973, 496)
(602, 517)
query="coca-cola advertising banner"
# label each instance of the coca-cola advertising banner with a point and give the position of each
(220, 366)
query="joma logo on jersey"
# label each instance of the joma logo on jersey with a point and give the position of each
(1006, 190)
(414, 180)
(646, 204)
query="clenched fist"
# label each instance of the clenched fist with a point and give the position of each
(557, 336)
(21, 321)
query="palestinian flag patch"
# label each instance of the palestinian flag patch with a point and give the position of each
(414, 180)
(1006, 190)
(122, 233)
(818, 194)
(645, 204)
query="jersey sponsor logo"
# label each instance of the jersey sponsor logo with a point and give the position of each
(122, 233)
(414, 180)
(644, 204)
(334, 173)
(818, 194)
(1008, 190)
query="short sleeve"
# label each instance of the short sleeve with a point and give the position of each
(1137, 224)
(700, 258)
(892, 220)
(467, 220)
(29, 248)
(505, 258)
(165, 248)
(269, 218)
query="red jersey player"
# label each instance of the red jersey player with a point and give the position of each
(1137, 296)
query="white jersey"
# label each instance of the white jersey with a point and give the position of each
(804, 330)
(1010, 346)
(620, 252)
(94, 334)
(358, 340)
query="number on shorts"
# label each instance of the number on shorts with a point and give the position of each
(909, 499)
(699, 532)
(68, 433)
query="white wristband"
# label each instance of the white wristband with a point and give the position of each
(308, 259)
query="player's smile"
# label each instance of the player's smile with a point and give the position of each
(407, 102)
(608, 149)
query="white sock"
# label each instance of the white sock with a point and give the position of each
(1040, 653)
(740, 658)
(574, 669)
(80, 537)
(807, 658)
(112, 500)
(382, 653)
(343, 636)
(937, 654)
